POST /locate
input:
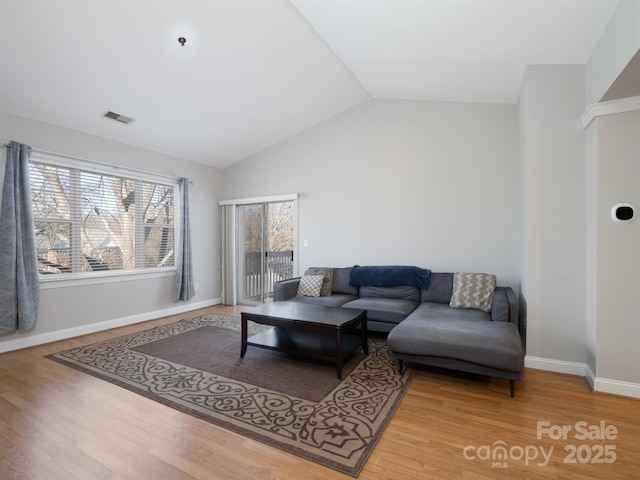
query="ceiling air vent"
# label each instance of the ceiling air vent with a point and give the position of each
(118, 117)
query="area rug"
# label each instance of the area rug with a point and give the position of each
(297, 405)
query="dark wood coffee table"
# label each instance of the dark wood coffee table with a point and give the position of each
(312, 331)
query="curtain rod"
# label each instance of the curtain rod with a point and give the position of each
(71, 157)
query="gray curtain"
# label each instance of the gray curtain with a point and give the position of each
(184, 289)
(19, 290)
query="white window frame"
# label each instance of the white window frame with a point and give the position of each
(108, 276)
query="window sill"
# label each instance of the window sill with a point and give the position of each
(64, 280)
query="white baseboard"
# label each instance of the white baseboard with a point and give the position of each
(617, 387)
(31, 340)
(559, 366)
(590, 377)
(597, 384)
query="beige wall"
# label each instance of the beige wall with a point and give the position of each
(614, 328)
(554, 213)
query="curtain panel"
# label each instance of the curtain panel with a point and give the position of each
(229, 295)
(19, 289)
(184, 288)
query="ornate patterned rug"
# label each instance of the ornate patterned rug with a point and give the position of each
(331, 422)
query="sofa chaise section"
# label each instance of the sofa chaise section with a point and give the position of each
(464, 339)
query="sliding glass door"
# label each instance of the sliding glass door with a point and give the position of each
(265, 249)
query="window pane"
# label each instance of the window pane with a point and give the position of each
(158, 239)
(53, 243)
(107, 222)
(50, 191)
(159, 247)
(158, 204)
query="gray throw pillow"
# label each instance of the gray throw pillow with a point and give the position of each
(310, 285)
(473, 290)
(327, 282)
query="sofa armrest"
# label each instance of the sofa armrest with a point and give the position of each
(514, 310)
(504, 306)
(285, 289)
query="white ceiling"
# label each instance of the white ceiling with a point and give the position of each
(254, 72)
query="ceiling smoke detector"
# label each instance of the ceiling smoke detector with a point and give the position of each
(118, 117)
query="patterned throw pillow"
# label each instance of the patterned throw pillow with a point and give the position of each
(310, 285)
(473, 290)
(327, 283)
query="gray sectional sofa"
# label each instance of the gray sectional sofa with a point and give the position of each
(422, 325)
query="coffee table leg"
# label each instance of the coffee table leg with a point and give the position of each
(243, 335)
(339, 354)
(364, 334)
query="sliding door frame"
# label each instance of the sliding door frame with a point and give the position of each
(231, 250)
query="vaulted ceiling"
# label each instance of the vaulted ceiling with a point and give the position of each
(252, 73)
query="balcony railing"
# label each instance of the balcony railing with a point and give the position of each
(278, 266)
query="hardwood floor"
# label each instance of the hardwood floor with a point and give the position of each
(59, 423)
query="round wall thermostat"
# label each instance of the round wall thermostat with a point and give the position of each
(621, 212)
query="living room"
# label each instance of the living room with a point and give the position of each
(522, 190)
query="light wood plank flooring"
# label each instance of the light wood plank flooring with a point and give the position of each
(58, 423)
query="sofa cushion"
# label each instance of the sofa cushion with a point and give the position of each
(341, 284)
(433, 311)
(310, 285)
(390, 310)
(402, 292)
(492, 344)
(334, 300)
(440, 288)
(473, 290)
(327, 282)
